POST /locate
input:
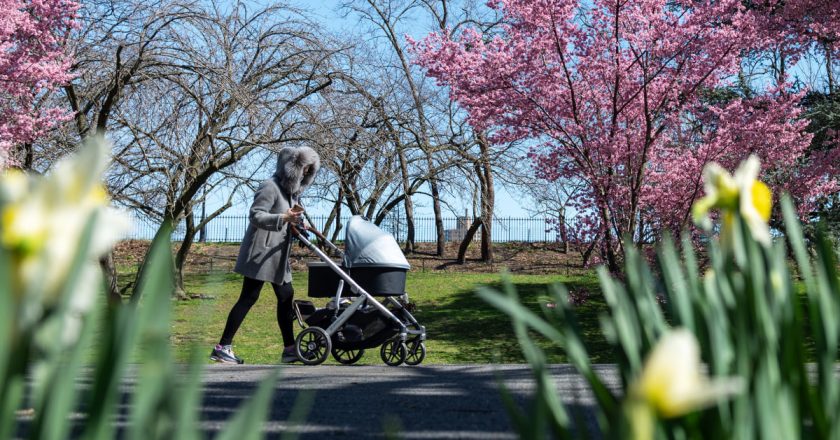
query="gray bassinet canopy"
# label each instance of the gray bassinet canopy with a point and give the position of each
(369, 246)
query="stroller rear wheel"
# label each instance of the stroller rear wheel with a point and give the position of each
(393, 352)
(347, 357)
(313, 345)
(416, 352)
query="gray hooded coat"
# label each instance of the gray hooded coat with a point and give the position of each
(267, 243)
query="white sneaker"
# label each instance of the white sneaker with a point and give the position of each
(224, 354)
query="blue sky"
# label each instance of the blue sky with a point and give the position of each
(326, 12)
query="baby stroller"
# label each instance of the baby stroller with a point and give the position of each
(354, 320)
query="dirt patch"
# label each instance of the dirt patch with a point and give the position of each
(517, 257)
(529, 258)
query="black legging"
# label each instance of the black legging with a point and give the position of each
(250, 293)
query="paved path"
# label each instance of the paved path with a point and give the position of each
(358, 402)
(425, 402)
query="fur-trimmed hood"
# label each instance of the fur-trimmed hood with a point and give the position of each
(290, 164)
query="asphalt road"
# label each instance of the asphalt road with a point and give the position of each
(425, 402)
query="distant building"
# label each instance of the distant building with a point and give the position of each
(462, 224)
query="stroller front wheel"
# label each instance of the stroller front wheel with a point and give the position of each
(416, 352)
(313, 345)
(347, 357)
(393, 352)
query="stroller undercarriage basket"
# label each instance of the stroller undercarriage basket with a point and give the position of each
(365, 328)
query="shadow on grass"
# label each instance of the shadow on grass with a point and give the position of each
(484, 334)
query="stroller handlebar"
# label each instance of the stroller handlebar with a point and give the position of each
(301, 229)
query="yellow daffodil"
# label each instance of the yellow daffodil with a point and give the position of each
(672, 384)
(23, 226)
(42, 222)
(741, 193)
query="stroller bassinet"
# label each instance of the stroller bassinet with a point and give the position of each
(371, 257)
(372, 265)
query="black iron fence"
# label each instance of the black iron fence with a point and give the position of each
(232, 228)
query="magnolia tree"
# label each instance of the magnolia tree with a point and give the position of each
(32, 62)
(615, 95)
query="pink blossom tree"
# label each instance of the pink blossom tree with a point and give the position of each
(798, 42)
(795, 26)
(32, 62)
(612, 95)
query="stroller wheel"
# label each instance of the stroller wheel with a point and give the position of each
(393, 352)
(416, 352)
(347, 357)
(313, 345)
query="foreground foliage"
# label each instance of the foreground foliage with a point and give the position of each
(742, 316)
(52, 317)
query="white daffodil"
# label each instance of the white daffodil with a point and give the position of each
(15, 185)
(741, 193)
(672, 384)
(756, 199)
(672, 379)
(42, 222)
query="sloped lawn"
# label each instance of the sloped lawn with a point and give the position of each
(461, 328)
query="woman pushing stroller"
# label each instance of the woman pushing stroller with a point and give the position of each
(264, 252)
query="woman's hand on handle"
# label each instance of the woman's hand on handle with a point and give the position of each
(292, 216)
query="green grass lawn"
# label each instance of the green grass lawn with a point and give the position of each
(461, 328)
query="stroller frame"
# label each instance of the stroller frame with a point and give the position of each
(396, 344)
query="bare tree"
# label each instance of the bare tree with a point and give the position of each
(228, 89)
(385, 16)
(368, 150)
(117, 46)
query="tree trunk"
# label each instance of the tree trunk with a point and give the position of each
(564, 231)
(441, 237)
(465, 243)
(352, 204)
(109, 271)
(407, 204)
(587, 254)
(335, 216)
(488, 199)
(202, 233)
(612, 260)
(830, 73)
(181, 256)
(337, 220)
(640, 231)
(486, 241)
(28, 156)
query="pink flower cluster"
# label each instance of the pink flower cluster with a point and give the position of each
(32, 61)
(611, 94)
